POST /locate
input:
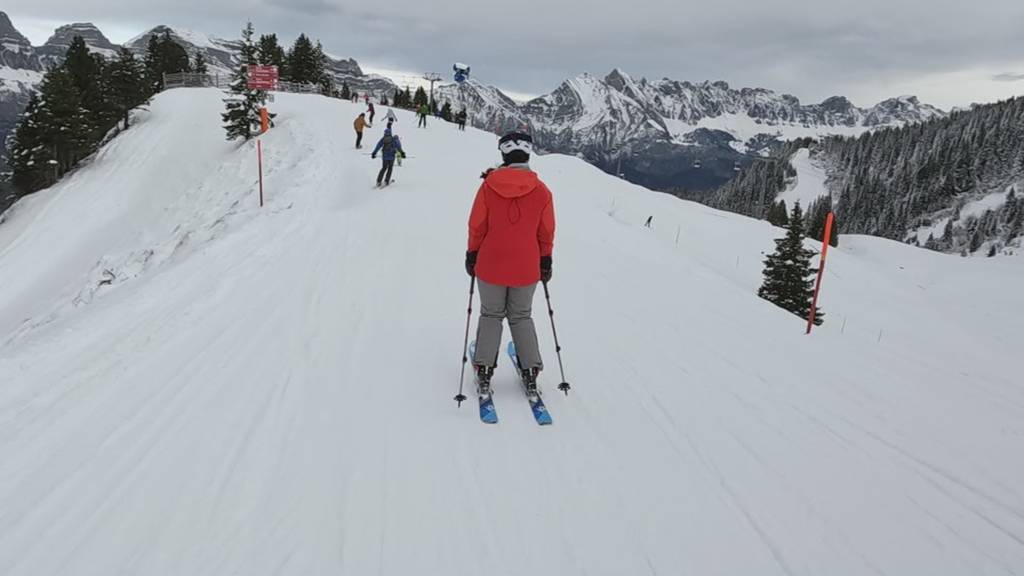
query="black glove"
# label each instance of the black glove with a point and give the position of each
(374, 156)
(545, 269)
(471, 263)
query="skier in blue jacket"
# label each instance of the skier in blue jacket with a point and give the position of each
(389, 146)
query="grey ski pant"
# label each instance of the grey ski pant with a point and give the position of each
(516, 304)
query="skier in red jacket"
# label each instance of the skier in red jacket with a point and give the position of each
(511, 237)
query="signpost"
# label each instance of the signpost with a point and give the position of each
(262, 77)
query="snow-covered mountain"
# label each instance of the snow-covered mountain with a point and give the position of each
(190, 384)
(20, 73)
(52, 52)
(656, 132)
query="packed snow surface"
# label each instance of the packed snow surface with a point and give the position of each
(190, 384)
(809, 184)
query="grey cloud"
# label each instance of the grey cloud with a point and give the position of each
(1008, 77)
(810, 49)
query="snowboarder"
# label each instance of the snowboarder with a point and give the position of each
(511, 237)
(423, 111)
(371, 111)
(360, 124)
(389, 146)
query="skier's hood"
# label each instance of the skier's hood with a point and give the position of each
(512, 182)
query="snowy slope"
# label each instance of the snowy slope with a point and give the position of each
(809, 184)
(269, 391)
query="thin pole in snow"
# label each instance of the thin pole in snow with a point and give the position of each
(678, 229)
(259, 160)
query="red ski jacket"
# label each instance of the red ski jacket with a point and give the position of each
(512, 225)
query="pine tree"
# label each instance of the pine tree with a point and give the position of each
(28, 156)
(446, 111)
(787, 272)
(153, 66)
(346, 94)
(199, 64)
(242, 106)
(126, 88)
(175, 58)
(303, 66)
(420, 98)
(270, 53)
(163, 56)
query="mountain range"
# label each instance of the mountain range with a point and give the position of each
(22, 64)
(667, 135)
(672, 135)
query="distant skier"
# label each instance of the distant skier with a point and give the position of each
(460, 118)
(423, 112)
(371, 111)
(511, 237)
(391, 116)
(360, 124)
(389, 146)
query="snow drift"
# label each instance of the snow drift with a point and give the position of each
(190, 384)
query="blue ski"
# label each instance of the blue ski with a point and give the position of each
(540, 411)
(488, 414)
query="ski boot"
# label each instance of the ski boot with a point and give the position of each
(483, 380)
(529, 378)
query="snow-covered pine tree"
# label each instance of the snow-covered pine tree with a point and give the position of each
(242, 106)
(152, 65)
(199, 64)
(126, 87)
(788, 273)
(28, 156)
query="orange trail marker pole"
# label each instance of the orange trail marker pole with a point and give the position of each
(821, 271)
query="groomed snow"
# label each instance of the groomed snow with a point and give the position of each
(809, 184)
(268, 391)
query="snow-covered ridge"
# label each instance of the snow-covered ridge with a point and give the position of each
(658, 127)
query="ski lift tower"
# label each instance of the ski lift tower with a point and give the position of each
(432, 77)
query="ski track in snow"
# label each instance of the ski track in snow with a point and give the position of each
(269, 392)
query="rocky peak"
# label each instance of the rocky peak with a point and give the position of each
(57, 46)
(15, 50)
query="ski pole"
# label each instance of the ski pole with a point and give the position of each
(460, 397)
(564, 386)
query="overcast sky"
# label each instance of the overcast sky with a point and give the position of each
(949, 53)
